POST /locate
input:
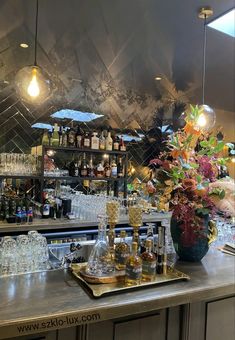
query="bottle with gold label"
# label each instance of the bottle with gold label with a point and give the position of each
(149, 262)
(122, 251)
(133, 267)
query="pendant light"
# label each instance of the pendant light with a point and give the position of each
(206, 120)
(32, 82)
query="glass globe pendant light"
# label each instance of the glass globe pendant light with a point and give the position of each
(206, 119)
(32, 82)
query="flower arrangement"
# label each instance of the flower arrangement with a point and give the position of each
(183, 174)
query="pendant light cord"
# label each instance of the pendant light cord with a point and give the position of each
(36, 35)
(204, 62)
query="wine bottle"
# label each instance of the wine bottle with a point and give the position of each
(64, 137)
(45, 138)
(116, 144)
(91, 170)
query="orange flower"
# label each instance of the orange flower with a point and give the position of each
(189, 129)
(180, 153)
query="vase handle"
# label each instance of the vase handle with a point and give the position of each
(212, 232)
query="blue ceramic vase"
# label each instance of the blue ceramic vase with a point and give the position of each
(200, 247)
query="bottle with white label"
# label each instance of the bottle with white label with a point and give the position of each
(95, 141)
(114, 168)
(109, 142)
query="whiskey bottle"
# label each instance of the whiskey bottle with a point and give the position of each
(95, 142)
(84, 167)
(91, 170)
(64, 138)
(116, 144)
(149, 262)
(133, 267)
(79, 138)
(55, 136)
(102, 141)
(86, 141)
(109, 142)
(114, 168)
(120, 173)
(122, 146)
(71, 136)
(107, 169)
(122, 252)
(100, 170)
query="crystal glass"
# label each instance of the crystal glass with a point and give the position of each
(8, 256)
(113, 211)
(24, 254)
(100, 261)
(135, 215)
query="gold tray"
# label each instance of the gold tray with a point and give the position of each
(100, 289)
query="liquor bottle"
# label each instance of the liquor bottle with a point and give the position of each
(107, 169)
(55, 136)
(161, 251)
(71, 136)
(149, 262)
(60, 135)
(86, 141)
(30, 215)
(122, 146)
(45, 138)
(114, 168)
(79, 138)
(72, 168)
(102, 141)
(109, 142)
(133, 267)
(120, 173)
(91, 170)
(23, 215)
(84, 167)
(100, 170)
(64, 138)
(18, 215)
(122, 252)
(77, 169)
(46, 208)
(116, 144)
(95, 141)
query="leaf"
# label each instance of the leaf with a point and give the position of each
(203, 211)
(222, 194)
(199, 178)
(204, 143)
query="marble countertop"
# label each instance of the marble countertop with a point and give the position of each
(55, 296)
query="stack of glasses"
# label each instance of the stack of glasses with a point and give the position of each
(26, 254)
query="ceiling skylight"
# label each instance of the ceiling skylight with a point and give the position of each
(75, 115)
(225, 23)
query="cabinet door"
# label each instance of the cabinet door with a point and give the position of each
(221, 320)
(150, 327)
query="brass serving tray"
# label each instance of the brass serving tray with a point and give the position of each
(100, 289)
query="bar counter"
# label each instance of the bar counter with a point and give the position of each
(55, 297)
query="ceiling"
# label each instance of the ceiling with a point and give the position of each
(103, 56)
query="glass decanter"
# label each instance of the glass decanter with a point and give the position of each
(100, 261)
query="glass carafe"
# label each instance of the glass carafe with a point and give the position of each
(100, 261)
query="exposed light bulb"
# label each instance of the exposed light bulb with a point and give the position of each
(201, 122)
(33, 88)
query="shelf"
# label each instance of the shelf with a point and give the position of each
(65, 224)
(67, 178)
(61, 148)
(20, 176)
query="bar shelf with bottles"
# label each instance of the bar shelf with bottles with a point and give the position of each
(109, 154)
